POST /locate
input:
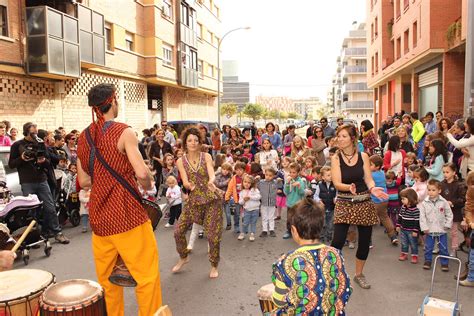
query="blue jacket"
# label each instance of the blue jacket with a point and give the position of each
(379, 179)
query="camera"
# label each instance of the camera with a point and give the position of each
(35, 150)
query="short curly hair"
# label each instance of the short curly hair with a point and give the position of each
(192, 130)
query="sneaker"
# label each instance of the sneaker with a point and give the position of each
(352, 245)
(201, 235)
(361, 281)
(272, 233)
(252, 237)
(436, 250)
(403, 257)
(228, 227)
(427, 265)
(371, 245)
(84, 229)
(263, 234)
(241, 237)
(444, 268)
(467, 283)
(60, 238)
(453, 254)
(394, 240)
(277, 218)
(414, 259)
(287, 235)
(168, 225)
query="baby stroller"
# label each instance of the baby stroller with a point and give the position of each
(67, 205)
(17, 213)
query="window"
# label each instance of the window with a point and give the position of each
(189, 57)
(167, 55)
(168, 8)
(216, 11)
(201, 31)
(3, 21)
(187, 16)
(406, 36)
(398, 48)
(210, 37)
(397, 8)
(217, 40)
(129, 43)
(372, 32)
(372, 65)
(415, 34)
(376, 27)
(108, 36)
(210, 71)
(376, 63)
(200, 68)
(406, 4)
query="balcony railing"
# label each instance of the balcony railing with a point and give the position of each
(353, 69)
(355, 51)
(357, 33)
(351, 87)
(360, 105)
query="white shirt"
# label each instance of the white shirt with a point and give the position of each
(173, 194)
(169, 138)
(268, 158)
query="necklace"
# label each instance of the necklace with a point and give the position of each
(349, 157)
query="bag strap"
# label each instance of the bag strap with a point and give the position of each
(96, 153)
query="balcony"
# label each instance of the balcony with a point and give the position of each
(358, 105)
(357, 34)
(355, 87)
(52, 43)
(353, 69)
(354, 52)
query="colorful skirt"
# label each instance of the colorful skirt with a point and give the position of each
(280, 201)
(355, 212)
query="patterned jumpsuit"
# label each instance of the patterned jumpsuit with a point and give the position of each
(203, 207)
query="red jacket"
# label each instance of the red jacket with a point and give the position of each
(388, 157)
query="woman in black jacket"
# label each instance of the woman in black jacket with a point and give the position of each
(158, 149)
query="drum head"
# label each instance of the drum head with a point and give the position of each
(15, 284)
(71, 292)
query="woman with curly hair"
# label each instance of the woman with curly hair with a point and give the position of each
(369, 139)
(444, 124)
(204, 204)
(235, 142)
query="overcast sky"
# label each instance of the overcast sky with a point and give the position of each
(292, 46)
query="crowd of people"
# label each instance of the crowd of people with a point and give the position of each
(414, 176)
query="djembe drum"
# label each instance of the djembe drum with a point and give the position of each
(264, 295)
(120, 275)
(73, 297)
(20, 291)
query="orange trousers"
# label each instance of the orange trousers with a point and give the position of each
(139, 251)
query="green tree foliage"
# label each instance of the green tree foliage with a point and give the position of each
(253, 111)
(292, 115)
(229, 109)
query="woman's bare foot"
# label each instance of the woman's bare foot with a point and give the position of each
(214, 273)
(180, 264)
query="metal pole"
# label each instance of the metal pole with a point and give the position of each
(219, 72)
(468, 77)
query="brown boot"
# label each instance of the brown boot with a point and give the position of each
(463, 275)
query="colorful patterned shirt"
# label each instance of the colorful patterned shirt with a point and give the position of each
(311, 281)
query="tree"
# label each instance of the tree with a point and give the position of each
(272, 114)
(292, 115)
(229, 109)
(283, 115)
(253, 111)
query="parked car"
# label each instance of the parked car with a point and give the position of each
(13, 182)
(333, 122)
(244, 124)
(180, 126)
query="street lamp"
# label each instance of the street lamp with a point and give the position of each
(219, 71)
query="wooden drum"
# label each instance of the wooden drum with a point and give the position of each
(73, 297)
(264, 295)
(20, 291)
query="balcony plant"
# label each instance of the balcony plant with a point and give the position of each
(390, 28)
(453, 32)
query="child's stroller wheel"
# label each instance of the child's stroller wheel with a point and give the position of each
(26, 256)
(75, 218)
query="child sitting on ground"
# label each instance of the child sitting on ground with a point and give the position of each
(306, 225)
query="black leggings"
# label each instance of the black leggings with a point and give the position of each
(365, 235)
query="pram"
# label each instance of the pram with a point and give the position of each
(67, 205)
(17, 213)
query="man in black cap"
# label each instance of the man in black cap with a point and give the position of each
(31, 158)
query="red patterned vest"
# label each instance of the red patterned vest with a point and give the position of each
(112, 209)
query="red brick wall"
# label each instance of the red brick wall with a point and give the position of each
(10, 51)
(453, 84)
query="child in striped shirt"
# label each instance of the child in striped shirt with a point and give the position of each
(393, 183)
(408, 225)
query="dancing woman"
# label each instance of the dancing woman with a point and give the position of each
(204, 205)
(352, 178)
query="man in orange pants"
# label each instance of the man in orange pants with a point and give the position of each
(110, 164)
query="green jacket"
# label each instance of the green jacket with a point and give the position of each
(294, 194)
(418, 131)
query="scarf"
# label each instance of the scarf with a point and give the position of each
(365, 134)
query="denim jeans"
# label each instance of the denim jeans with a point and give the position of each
(408, 242)
(50, 218)
(470, 275)
(328, 228)
(237, 206)
(442, 240)
(85, 220)
(250, 218)
(419, 151)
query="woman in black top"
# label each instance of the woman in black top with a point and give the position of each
(158, 150)
(352, 178)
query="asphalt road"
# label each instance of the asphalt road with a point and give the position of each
(398, 288)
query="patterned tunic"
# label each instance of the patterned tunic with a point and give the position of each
(311, 281)
(112, 209)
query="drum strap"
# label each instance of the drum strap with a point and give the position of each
(96, 153)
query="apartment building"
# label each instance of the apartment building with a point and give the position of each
(357, 98)
(307, 108)
(417, 56)
(160, 54)
(283, 104)
(234, 91)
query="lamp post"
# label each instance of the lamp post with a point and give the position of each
(219, 71)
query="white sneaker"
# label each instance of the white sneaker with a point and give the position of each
(241, 236)
(168, 225)
(252, 237)
(352, 245)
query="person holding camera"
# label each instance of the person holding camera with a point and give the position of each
(31, 158)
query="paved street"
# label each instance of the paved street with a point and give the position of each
(398, 288)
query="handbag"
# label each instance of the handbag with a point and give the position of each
(120, 275)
